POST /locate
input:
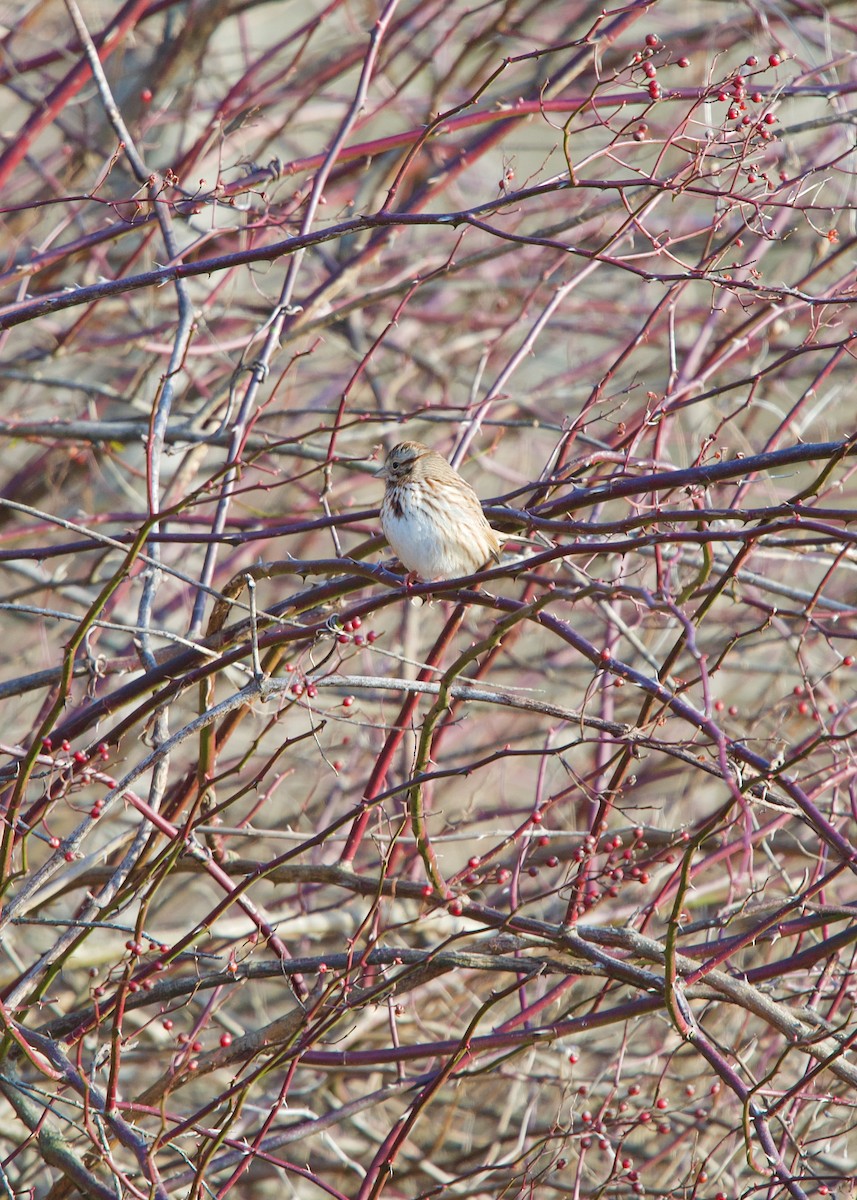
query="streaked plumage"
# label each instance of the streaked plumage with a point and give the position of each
(432, 517)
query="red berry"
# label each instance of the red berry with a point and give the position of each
(757, 97)
(774, 60)
(347, 701)
(848, 661)
(752, 61)
(146, 95)
(650, 70)
(684, 61)
(652, 40)
(79, 756)
(769, 118)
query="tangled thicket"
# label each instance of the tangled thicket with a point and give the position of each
(534, 884)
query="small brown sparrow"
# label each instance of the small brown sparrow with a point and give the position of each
(432, 517)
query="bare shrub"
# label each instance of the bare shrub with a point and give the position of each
(318, 881)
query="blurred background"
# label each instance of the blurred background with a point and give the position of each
(318, 883)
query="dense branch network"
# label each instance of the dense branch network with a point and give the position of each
(538, 881)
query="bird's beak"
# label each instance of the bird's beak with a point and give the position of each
(381, 473)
